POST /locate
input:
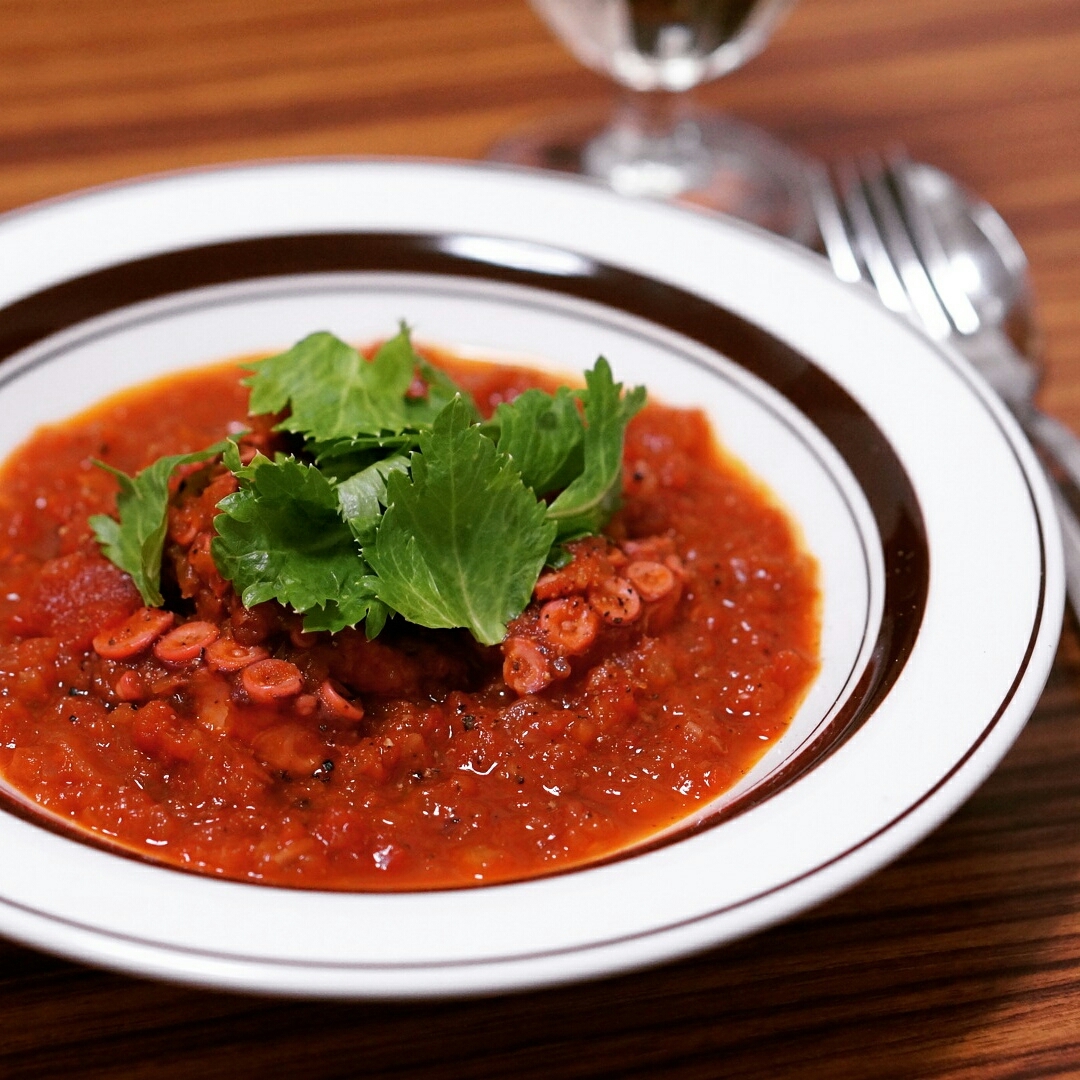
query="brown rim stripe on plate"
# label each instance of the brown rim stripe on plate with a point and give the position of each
(855, 436)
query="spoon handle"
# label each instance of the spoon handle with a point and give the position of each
(1058, 449)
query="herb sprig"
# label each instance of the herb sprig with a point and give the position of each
(402, 501)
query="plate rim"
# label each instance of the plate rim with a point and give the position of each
(1051, 584)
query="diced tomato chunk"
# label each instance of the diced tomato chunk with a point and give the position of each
(73, 597)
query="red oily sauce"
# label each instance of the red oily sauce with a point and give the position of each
(643, 679)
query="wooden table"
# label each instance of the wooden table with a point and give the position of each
(960, 960)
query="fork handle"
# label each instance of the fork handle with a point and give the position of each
(1058, 449)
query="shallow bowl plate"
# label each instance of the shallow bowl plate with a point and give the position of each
(931, 522)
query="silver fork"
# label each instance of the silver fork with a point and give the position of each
(876, 228)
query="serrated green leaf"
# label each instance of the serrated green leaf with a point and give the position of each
(462, 540)
(334, 616)
(332, 453)
(544, 434)
(421, 410)
(135, 542)
(331, 391)
(588, 502)
(282, 538)
(362, 497)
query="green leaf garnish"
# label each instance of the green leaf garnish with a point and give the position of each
(136, 541)
(349, 611)
(281, 537)
(463, 540)
(333, 453)
(362, 497)
(544, 434)
(333, 393)
(401, 502)
(593, 496)
(330, 390)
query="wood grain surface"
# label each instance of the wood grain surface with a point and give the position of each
(960, 960)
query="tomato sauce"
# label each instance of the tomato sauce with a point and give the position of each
(644, 678)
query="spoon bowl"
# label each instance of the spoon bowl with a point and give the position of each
(983, 255)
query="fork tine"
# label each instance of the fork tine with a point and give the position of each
(830, 221)
(868, 239)
(896, 240)
(928, 242)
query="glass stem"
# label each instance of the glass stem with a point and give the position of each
(653, 146)
(654, 114)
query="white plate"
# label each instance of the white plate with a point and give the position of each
(940, 555)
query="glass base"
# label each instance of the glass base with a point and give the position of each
(703, 159)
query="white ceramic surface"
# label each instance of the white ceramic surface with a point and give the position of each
(990, 615)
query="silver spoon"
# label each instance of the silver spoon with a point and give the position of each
(946, 258)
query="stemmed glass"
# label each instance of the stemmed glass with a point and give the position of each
(656, 142)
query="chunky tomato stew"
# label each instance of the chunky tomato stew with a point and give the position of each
(645, 676)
